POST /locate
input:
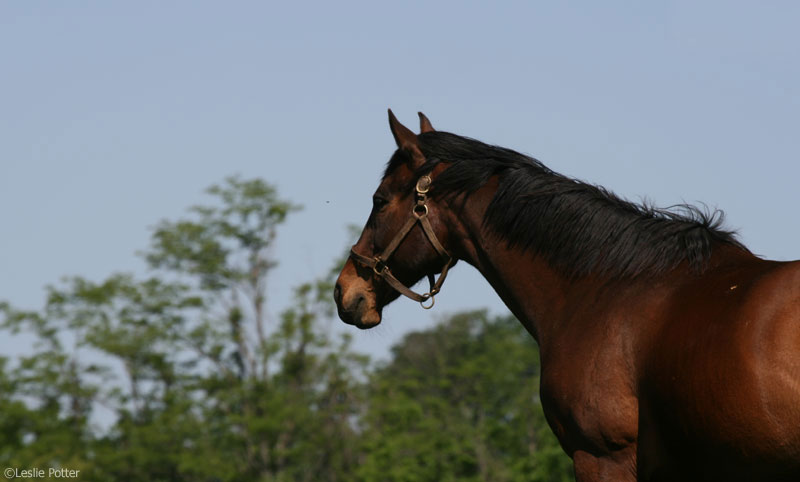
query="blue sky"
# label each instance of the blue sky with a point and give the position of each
(115, 115)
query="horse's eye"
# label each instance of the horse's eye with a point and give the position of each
(378, 202)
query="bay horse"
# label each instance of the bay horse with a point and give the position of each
(668, 350)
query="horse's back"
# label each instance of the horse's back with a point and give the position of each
(722, 382)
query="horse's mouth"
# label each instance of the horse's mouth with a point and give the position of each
(366, 326)
(359, 320)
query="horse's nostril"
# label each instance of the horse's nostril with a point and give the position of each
(360, 299)
(337, 294)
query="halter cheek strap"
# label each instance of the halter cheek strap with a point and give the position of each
(419, 214)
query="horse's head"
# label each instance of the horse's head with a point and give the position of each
(404, 239)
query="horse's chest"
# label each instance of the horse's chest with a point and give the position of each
(589, 404)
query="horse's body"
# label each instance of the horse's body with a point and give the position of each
(669, 351)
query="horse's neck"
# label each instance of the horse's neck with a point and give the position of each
(534, 292)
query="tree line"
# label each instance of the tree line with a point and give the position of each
(183, 375)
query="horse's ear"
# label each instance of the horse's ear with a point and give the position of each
(403, 136)
(424, 124)
(406, 140)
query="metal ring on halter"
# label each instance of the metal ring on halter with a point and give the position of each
(424, 210)
(380, 266)
(429, 297)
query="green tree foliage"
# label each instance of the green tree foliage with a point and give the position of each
(187, 376)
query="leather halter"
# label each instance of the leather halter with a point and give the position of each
(419, 214)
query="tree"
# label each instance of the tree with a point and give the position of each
(201, 385)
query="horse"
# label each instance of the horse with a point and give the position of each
(668, 350)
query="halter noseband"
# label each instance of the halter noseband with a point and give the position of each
(419, 214)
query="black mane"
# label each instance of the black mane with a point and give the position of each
(578, 227)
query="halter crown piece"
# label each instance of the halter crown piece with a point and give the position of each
(419, 214)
